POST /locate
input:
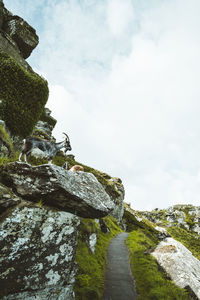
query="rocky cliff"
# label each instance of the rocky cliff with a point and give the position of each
(55, 224)
(48, 214)
(184, 216)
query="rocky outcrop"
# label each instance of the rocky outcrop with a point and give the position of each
(117, 198)
(17, 37)
(185, 216)
(22, 33)
(7, 198)
(79, 193)
(38, 232)
(45, 125)
(180, 264)
(38, 248)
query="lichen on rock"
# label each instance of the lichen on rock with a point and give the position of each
(78, 193)
(179, 263)
(37, 257)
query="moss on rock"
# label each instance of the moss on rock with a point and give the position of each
(48, 119)
(89, 283)
(5, 139)
(23, 94)
(189, 239)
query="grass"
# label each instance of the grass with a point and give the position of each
(89, 283)
(151, 281)
(190, 240)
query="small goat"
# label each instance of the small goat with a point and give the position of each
(77, 168)
(49, 148)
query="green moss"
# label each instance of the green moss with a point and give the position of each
(59, 159)
(24, 95)
(5, 139)
(147, 227)
(5, 160)
(50, 120)
(89, 283)
(151, 282)
(36, 161)
(189, 219)
(190, 240)
(41, 134)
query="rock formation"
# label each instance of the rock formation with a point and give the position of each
(38, 247)
(179, 263)
(17, 37)
(78, 193)
(186, 216)
(41, 206)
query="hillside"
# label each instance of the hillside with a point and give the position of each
(163, 248)
(56, 223)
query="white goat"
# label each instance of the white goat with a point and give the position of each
(49, 148)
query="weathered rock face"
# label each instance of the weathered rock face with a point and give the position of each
(22, 33)
(186, 216)
(115, 190)
(118, 211)
(45, 125)
(38, 248)
(79, 193)
(179, 263)
(7, 198)
(17, 37)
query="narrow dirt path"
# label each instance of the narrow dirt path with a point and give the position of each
(119, 284)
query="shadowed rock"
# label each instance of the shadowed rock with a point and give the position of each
(17, 37)
(79, 193)
(22, 33)
(38, 247)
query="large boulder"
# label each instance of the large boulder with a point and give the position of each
(79, 193)
(179, 263)
(38, 247)
(22, 33)
(17, 38)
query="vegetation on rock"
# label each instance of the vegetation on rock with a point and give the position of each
(48, 119)
(151, 281)
(23, 94)
(190, 240)
(89, 283)
(6, 141)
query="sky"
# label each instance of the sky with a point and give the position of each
(124, 80)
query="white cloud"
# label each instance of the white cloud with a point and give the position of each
(120, 15)
(129, 98)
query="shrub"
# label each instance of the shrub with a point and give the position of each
(23, 94)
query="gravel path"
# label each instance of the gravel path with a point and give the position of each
(119, 284)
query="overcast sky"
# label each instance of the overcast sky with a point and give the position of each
(124, 79)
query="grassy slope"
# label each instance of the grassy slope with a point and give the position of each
(151, 281)
(190, 240)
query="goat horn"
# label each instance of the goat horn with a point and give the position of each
(66, 135)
